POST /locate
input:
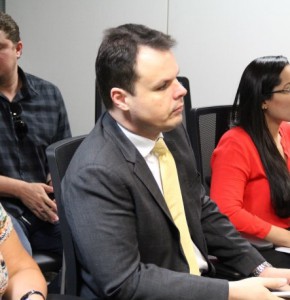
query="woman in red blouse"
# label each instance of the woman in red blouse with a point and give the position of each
(251, 163)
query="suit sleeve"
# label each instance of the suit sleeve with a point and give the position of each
(225, 242)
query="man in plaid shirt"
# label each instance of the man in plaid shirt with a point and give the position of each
(32, 116)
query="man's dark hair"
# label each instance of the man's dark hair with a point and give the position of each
(116, 59)
(9, 26)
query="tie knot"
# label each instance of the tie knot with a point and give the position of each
(160, 147)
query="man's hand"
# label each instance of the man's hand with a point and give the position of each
(35, 197)
(256, 288)
(276, 272)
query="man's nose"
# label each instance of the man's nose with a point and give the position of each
(180, 91)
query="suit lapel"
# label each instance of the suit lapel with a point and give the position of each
(133, 157)
(143, 173)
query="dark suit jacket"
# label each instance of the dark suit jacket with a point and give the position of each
(128, 242)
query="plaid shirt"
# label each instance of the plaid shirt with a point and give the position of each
(44, 113)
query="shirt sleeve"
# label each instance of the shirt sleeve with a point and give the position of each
(63, 122)
(232, 166)
(5, 224)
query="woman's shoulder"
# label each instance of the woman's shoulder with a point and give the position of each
(236, 134)
(235, 142)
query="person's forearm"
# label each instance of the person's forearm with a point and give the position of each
(11, 187)
(278, 236)
(23, 282)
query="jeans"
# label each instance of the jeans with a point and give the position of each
(37, 235)
(22, 236)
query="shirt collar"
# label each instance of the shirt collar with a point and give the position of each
(143, 145)
(27, 86)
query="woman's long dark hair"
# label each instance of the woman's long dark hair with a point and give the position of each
(259, 79)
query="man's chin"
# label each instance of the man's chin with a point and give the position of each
(172, 125)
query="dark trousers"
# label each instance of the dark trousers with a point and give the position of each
(37, 235)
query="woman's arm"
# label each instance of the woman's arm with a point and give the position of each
(24, 273)
(278, 236)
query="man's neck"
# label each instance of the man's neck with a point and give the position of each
(125, 122)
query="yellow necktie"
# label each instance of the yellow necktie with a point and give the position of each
(173, 198)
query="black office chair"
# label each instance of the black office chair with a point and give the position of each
(187, 102)
(59, 156)
(47, 261)
(208, 124)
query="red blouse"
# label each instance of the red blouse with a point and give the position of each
(239, 184)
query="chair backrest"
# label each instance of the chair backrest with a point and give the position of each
(207, 126)
(59, 156)
(187, 102)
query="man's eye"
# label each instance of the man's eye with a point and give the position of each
(162, 87)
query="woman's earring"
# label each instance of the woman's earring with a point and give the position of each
(264, 107)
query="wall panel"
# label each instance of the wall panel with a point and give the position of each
(61, 38)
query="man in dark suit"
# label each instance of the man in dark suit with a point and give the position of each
(129, 246)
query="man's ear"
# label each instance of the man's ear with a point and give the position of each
(118, 97)
(19, 47)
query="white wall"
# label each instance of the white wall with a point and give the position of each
(216, 40)
(61, 38)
